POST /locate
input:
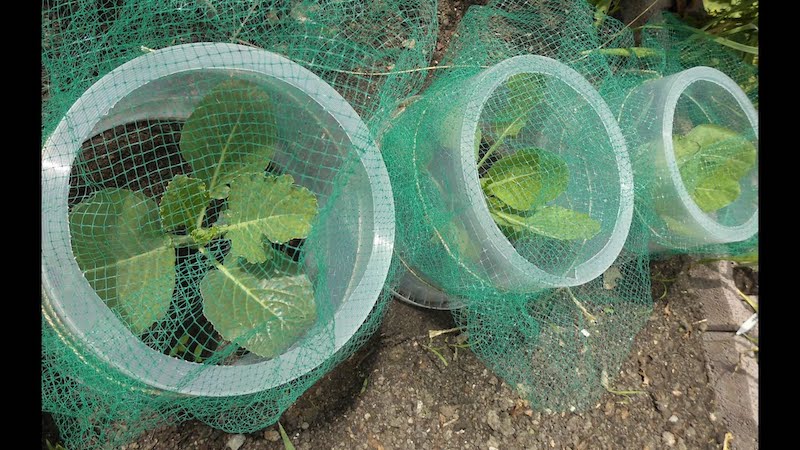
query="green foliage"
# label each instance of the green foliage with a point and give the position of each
(512, 118)
(712, 160)
(265, 316)
(517, 189)
(287, 444)
(551, 221)
(231, 132)
(734, 22)
(527, 179)
(184, 201)
(125, 243)
(270, 206)
(124, 255)
(519, 186)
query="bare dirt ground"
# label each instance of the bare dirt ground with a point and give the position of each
(395, 394)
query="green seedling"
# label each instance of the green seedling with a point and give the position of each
(124, 242)
(712, 160)
(521, 187)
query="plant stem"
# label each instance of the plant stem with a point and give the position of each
(491, 150)
(190, 240)
(204, 251)
(747, 299)
(591, 318)
(505, 133)
(182, 241)
(639, 52)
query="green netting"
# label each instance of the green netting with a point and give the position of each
(217, 222)
(514, 201)
(514, 188)
(698, 191)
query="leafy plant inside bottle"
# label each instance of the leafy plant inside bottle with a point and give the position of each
(520, 188)
(712, 161)
(253, 295)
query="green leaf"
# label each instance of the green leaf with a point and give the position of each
(270, 206)
(124, 255)
(527, 179)
(232, 131)
(524, 89)
(287, 444)
(711, 160)
(716, 7)
(552, 221)
(610, 277)
(495, 204)
(184, 201)
(203, 236)
(278, 264)
(712, 194)
(264, 315)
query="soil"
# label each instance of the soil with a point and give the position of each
(449, 15)
(396, 394)
(746, 280)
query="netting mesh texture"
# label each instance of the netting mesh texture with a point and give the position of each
(217, 218)
(553, 306)
(707, 202)
(514, 196)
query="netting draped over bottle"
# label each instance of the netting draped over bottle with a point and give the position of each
(217, 220)
(514, 199)
(232, 189)
(687, 106)
(511, 186)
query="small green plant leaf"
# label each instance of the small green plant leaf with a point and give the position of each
(271, 206)
(232, 131)
(183, 202)
(713, 194)
(551, 221)
(527, 179)
(287, 444)
(611, 276)
(265, 316)
(495, 204)
(203, 236)
(523, 91)
(711, 160)
(124, 255)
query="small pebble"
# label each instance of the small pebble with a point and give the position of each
(235, 441)
(304, 425)
(272, 435)
(673, 418)
(668, 438)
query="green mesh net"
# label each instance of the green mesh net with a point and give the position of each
(217, 221)
(514, 200)
(697, 191)
(527, 197)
